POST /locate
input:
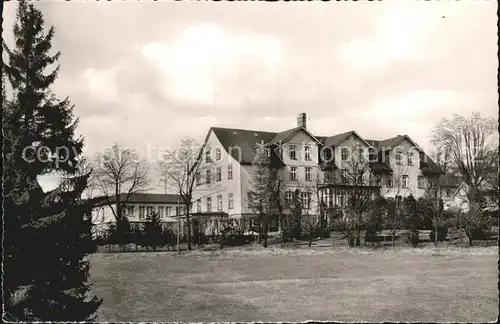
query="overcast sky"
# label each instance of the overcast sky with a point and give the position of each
(150, 73)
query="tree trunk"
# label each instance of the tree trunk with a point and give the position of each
(265, 230)
(435, 231)
(188, 224)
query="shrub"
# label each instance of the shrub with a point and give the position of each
(441, 235)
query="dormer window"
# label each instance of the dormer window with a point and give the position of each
(293, 152)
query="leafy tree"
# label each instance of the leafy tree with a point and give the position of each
(375, 218)
(153, 231)
(111, 234)
(47, 235)
(168, 237)
(123, 234)
(137, 236)
(413, 217)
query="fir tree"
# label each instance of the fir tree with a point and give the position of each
(47, 235)
(153, 231)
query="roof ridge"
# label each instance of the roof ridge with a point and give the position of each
(244, 130)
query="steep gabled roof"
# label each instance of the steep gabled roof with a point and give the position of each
(245, 141)
(336, 139)
(285, 135)
(390, 143)
(339, 138)
(146, 198)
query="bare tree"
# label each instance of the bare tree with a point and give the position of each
(180, 167)
(358, 180)
(469, 142)
(261, 194)
(120, 171)
(395, 219)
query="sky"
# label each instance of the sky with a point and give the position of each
(144, 75)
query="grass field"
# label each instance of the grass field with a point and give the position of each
(426, 285)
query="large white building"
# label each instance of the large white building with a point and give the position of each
(318, 165)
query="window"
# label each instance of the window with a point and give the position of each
(219, 203)
(208, 176)
(330, 198)
(230, 200)
(420, 182)
(306, 199)
(328, 176)
(344, 154)
(289, 197)
(307, 153)
(344, 176)
(198, 206)
(293, 152)
(207, 156)
(161, 211)
(293, 173)
(149, 210)
(129, 210)
(410, 158)
(219, 174)
(198, 178)
(388, 182)
(217, 154)
(308, 174)
(404, 180)
(229, 171)
(142, 210)
(372, 155)
(398, 158)
(168, 211)
(177, 210)
(340, 198)
(361, 154)
(209, 204)
(359, 176)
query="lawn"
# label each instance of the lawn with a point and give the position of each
(427, 285)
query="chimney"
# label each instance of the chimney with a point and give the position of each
(301, 120)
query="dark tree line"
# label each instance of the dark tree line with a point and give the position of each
(151, 234)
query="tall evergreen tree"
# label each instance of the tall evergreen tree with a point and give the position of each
(47, 235)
